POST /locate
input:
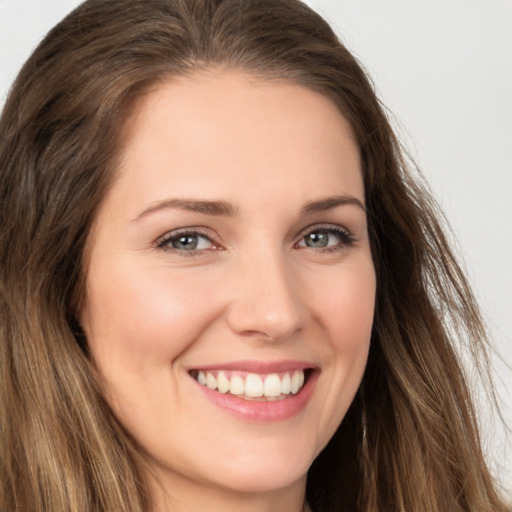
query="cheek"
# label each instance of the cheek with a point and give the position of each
(346, 304)
(352, 322)
(143, 317)
(345, 309)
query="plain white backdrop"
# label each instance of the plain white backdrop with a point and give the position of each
(444, 69)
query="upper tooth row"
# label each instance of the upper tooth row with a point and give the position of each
(253, 385)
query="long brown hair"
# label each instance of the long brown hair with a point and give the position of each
(409, 441)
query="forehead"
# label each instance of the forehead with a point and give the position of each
(199, 131)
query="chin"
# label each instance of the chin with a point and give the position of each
(266, 468)
(270, 478)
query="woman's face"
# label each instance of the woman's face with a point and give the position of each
(230, 260)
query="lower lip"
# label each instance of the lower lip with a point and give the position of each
(263, 412)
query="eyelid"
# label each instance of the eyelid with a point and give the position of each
(341, 231)
(324, 227)
(163, 241)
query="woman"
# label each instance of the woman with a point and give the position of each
(221, 288)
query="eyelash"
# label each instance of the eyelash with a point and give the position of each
(164, 243)
(346, 239)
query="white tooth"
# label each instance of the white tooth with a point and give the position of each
(236, 385)
(253, 385)
(286, 384)
(211, 381)
(272, 385)
(201, 378)
(222, 383)
(295, 382)
(301, 378)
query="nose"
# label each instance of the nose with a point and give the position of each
(265, 301)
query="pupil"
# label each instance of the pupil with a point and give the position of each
(186, 242)
(316, 240)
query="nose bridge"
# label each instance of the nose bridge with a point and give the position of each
(265, 302)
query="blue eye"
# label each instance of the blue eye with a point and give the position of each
(333, 237)
(186, 241)
(319, 240)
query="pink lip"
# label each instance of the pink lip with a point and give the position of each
(264, 412)
(259, 367)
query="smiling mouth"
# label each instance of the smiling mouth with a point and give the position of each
(253, 386)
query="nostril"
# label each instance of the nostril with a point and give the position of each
(256, 321)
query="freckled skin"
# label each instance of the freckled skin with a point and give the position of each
(254, 288)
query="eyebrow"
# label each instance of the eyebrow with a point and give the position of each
(328, 203)
(217, 208)
(225, 209)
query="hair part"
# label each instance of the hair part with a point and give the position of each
(410, 439)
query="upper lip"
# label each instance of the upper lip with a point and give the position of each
(263, 367)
